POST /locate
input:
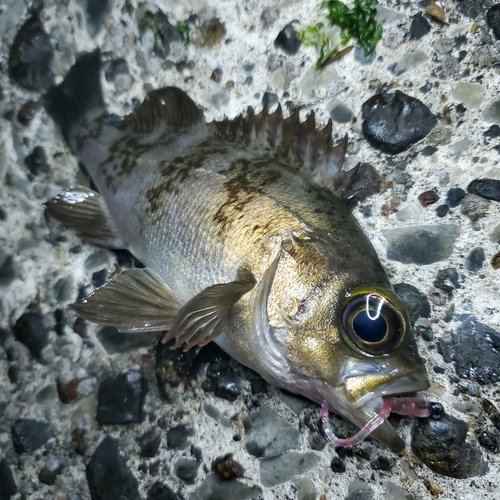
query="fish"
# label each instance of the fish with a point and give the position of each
(248, 239)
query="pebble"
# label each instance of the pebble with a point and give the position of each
(227, 468)
(421, 245)
(186, 470)
(454, 197)
(30, 330)
(493, 19)
(117, 72)
(156, 33)
(178, 436)
(489, 440)
(210, 33)
(8, 487)
(149, 442)
(288, 40)
(53, 467)
(29, 434)
(381, 463)
(428, 198)
(161, 491)
(492, 112)
(359, 490)
(486, 188)
(31, 56)
(474, 8)
(337, 465)
(365, 182)
(475, 260)
(469, 94)
(339, 112)
(121, 398)
(416, 302)
(306, 489)
(395, 492)
(27, 112)
(95, 12)
(269, 435)
(442, 446)
(495, 234)
(9, 269)
(222, 379)
(393, 122)
(409, 61)
(474, 207)
(213, 487)
(280, 469)
(474, 350)
(108, 475)
(419, 27)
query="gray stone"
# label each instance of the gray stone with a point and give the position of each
(421, 245)
(359, 490)
(212, 488)
(278, 470)
(492, 113)
(495, 234)
(394, 492)
(475, 260)
(339, 112)
(469, 94)
(409, 61)
(97, 260)
(268, 435)
(306, 489)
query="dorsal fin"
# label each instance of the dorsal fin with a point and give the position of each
(299, 144)
(166, 106)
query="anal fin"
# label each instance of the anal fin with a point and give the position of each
(85, 212)
(206, 314)
(134, 300)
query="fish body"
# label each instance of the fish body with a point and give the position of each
(244, 245)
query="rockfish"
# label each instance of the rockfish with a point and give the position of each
(248, 241)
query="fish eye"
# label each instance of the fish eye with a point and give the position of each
(374, 321)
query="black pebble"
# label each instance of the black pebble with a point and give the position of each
(429, 151)
(419, 27)
(416, 301)
(186, 470)
(121, 398)
(3, 214)
(393, 122)
(30, 434)
(288, 40)
(31, 56)
(48, 475)
(381, 463)
(337, 465)
(95, 13)
(489, 440)
(160, 491)
(8, 270)
(30, 330)
(99, 278)
(486, 188)
(8, 486)
(61, 321)
(108, 475)
(178, 437)
(442, 210)
(37, 162)
(454, 196)
(222, 378)
(475, 259)
(149, 443)
(493, 132)
(493, 20)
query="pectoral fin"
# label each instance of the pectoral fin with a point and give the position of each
(206, 314)
(85, 212)
(134, 300)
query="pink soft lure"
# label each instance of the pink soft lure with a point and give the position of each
(407, 406)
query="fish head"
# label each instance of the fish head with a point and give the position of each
(354, 348)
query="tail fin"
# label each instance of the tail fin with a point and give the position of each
(78, 96)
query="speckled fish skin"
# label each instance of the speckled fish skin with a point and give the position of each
(200, 210)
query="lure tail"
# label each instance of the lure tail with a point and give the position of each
(79, 96)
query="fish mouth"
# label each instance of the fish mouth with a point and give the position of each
(365, 387)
